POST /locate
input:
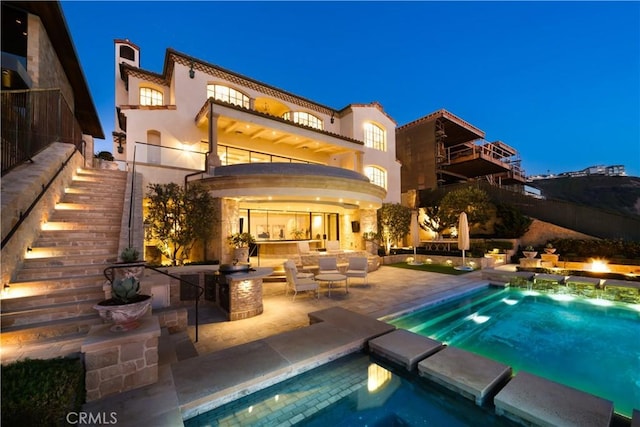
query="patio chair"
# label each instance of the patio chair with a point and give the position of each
(303, 248)
(333, 246)
(299, 284)
(328, 265)
(358, 267)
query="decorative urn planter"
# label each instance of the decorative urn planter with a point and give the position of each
(530, 254)
(550, 250)
(126, 304)
(124, 316)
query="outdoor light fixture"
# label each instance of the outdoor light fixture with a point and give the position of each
(5, 289)
(29, 248)
(332, 119)
(192, 73)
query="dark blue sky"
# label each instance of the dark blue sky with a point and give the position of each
(559, 81)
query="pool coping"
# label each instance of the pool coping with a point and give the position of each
(206, 382)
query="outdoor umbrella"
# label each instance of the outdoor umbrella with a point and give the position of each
(463, 239)
(415, 236)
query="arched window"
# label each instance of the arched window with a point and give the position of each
(376, 175)
(303, 118)
(150, 96)
(227, 94)
(375, 137)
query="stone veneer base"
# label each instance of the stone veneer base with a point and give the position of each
(119, 361)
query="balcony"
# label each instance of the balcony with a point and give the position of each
(33, 119)
(480, 158)
(294, 183)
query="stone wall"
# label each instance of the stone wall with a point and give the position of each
(43, 66)
(21, 187)
(541, 232)
(117, 362)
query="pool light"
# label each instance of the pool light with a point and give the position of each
(478, 318)
(599, 266)
(561, 297)
(510, 301)
(601, 302)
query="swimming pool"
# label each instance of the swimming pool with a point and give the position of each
(589, 344)
(353, 390)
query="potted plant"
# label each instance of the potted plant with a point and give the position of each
(126, 305)
(105, 160)
(549, 248)
(530, 252)
(129, 264)
(240, 243)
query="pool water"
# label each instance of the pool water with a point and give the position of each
(589, 344)
(351, 391)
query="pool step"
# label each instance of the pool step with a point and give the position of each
(533, 400)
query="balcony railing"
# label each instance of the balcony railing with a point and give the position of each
(33, 119)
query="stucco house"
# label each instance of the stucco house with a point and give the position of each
(283, 167)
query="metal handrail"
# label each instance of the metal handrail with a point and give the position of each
(111, 276)
(25, 214)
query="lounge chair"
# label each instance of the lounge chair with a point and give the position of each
(328, 265)
(358, 267)
(299, 284)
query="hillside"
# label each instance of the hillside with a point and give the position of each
(614, 193)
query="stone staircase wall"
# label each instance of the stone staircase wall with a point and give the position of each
(49, 304)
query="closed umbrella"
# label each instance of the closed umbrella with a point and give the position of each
(415, 236)
(463, 239)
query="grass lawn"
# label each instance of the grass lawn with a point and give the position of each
(434, 268)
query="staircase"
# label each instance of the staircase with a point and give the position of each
(48, 308)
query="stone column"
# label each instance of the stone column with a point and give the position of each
(213, 159)
(120, 361)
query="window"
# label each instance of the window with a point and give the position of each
(150, 96)
(374, 137)
(376, 175)
(227, 94)
(127, 53)
(303, 118)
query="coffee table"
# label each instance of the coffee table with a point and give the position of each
(332, 278)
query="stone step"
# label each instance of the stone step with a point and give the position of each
(104, 248)
(80, 270)
(51, 297)
(51, 243)
(68, 260)
(46, 348)
(44, 286)
(82, 181)
(88, 204)
(52, 236)
(77, 226)
(89, 215)
(24, 334)
(47, 313)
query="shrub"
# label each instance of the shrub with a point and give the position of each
(41, 392)
(105, 155)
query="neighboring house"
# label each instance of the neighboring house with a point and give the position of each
(45, 100)
(45, 97)
(441, 148)
(284, 167)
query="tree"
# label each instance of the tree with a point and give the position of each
(432, 221)
(394, 222)
(474, 201)
(510, 222)
(178, 217)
